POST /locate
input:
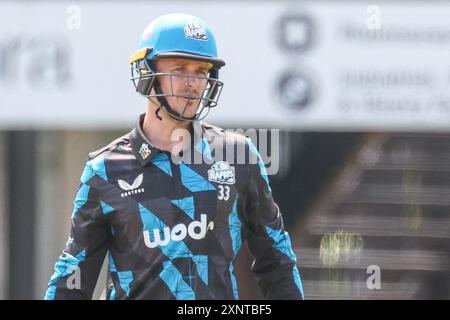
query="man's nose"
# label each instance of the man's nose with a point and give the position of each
(192, 81)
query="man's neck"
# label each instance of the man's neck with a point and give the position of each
(159, 132)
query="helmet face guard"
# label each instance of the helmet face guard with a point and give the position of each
(180, 36)
(148, 83)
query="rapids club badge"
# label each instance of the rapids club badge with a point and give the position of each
(195, 31)
(221, 172)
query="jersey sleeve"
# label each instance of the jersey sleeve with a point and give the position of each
(77, 268)
(274, 264)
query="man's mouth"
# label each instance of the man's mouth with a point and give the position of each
(192, 100)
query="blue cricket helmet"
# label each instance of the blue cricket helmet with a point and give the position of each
(181, 36)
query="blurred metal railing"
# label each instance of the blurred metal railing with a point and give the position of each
(389, 207)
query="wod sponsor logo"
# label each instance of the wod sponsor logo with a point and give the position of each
(179, 232)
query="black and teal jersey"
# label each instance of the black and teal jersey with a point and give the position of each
(172, 228)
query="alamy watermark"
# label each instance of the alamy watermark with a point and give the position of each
(74, 280)
(235, 146)
(373, 21)
(374, 280)
(73, 21)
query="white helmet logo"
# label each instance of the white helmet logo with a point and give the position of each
(195, 31)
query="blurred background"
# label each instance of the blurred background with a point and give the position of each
(358, 90)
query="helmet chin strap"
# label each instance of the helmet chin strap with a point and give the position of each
(156, 113)
(164, 104)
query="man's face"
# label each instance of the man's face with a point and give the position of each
(188, 79)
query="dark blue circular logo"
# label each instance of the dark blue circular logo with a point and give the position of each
(295, 90)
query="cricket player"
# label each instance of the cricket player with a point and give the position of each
(172, 226)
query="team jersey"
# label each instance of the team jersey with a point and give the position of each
(172, 227)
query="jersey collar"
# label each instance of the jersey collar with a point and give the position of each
(144, 151)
